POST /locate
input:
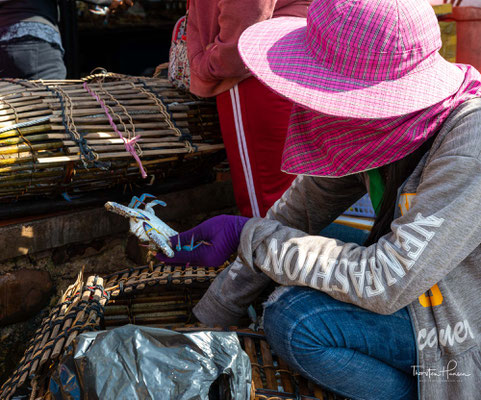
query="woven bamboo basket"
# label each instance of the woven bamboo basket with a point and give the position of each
(107, 129)
(158, 296)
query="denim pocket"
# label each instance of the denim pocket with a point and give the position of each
(19, 60)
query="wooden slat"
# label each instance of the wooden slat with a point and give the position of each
(250, 349)
(268, 365)
(177, 275)
(166, 270)
(285, 376)
(130, 282)
(155, 275)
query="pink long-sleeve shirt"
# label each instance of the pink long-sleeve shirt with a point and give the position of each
(213, 30)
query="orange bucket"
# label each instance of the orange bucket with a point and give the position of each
(468, 29)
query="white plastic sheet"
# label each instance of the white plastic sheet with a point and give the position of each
(134, 362)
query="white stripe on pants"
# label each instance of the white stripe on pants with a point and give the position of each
(244, 154)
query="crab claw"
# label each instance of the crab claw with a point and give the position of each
(120, 209)
(158, 239)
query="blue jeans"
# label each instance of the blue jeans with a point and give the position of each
(343, 348)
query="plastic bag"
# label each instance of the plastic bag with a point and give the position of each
(133, 362)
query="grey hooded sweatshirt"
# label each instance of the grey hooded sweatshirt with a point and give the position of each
(429, 262)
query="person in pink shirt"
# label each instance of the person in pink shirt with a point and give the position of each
(253, 119)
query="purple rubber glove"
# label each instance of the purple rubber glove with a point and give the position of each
(221, 232)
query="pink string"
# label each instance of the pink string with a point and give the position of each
(128, 143)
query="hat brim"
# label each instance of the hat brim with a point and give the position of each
(277, 54)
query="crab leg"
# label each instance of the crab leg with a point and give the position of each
(178, 246)
(136, 201)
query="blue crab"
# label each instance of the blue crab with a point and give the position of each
(145, 224)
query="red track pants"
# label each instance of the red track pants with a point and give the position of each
(253, 121)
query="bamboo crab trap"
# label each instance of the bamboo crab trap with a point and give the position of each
(107, 129)
(158, 296)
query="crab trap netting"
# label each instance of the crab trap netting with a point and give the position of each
(159, 296)
(107, 129)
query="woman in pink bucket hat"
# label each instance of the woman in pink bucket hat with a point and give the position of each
(376, 110)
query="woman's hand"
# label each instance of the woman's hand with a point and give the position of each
(221, 236)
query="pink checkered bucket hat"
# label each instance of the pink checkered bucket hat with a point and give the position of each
(354, 58)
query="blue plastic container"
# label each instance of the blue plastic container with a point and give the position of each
(362, 208)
